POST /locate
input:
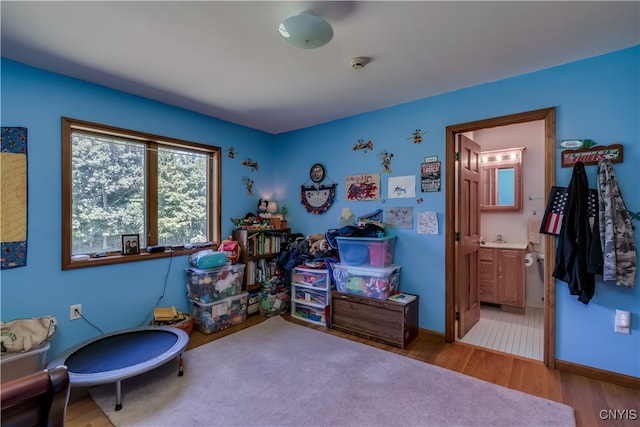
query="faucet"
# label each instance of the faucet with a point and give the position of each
(499, 239)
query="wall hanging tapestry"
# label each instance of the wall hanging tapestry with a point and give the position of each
(13, 197)
(317, 198)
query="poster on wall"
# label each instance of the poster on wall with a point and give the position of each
(399, 217)
(427, 222)
(362, 187)
(401, 187)
(430, 176)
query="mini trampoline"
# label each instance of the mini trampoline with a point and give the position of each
(123, 354)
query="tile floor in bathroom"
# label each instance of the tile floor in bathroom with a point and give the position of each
(511, 333)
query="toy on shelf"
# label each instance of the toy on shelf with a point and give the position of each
(252, 220)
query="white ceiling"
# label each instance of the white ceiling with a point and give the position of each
(227, 60)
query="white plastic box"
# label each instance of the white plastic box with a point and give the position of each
(378, 283)
(17, 365)
(312, 277)
(215, 316)
(214, 284)
(367, 252)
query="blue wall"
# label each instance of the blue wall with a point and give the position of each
(118, 296)
(596, 98)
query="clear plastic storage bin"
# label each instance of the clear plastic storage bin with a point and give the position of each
(212, 317)
(274, 304)
(378, 283)
(214, 284)
(367, 252)
(17, 365)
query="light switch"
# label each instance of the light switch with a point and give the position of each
(623, 322)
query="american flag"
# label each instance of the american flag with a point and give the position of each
(553, 214)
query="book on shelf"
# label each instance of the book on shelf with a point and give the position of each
(250, 271)
(402, 297)
(263, 244)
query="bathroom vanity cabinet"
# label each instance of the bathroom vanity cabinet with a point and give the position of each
(501, 277)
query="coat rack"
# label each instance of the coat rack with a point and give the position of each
(592, 155)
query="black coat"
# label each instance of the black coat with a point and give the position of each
(575, 238)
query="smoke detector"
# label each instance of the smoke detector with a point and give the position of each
(358, 62)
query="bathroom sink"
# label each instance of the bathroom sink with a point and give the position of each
(503, 245)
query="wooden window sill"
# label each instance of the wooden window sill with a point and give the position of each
(118, 258)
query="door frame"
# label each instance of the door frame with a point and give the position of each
(548, 115)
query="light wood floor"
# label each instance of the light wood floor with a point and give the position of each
(518, 334)
(587, 396)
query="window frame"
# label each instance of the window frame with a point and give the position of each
(152, 142)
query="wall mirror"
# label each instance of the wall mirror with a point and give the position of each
(501, 180)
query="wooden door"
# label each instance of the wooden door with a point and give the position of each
(468, 234)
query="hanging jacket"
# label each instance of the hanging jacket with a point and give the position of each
(574, 241)
(616, 230)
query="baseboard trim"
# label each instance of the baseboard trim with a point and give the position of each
(598, 374)
(573, 368)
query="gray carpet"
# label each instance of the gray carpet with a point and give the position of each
(277, 373)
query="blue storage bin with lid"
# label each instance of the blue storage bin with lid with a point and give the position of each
(367, 251)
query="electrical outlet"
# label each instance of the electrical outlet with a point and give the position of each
(75, 312)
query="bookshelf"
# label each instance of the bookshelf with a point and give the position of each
(260, 249)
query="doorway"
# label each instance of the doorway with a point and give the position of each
(461, 289)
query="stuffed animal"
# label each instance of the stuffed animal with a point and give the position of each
(317, 243)
(226, 280)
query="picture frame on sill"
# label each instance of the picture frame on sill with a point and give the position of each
(130, 244)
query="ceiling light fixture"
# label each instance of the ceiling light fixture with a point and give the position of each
(306, 31)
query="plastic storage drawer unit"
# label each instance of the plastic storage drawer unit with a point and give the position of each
(378, 283)
(316, 278)
(17, 365)
(214, 284)
(367, 252)
(212, 317)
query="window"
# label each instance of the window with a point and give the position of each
(116, 182)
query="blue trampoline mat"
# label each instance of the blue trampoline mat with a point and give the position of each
(120, 351)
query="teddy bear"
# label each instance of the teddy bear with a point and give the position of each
(317, 243)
